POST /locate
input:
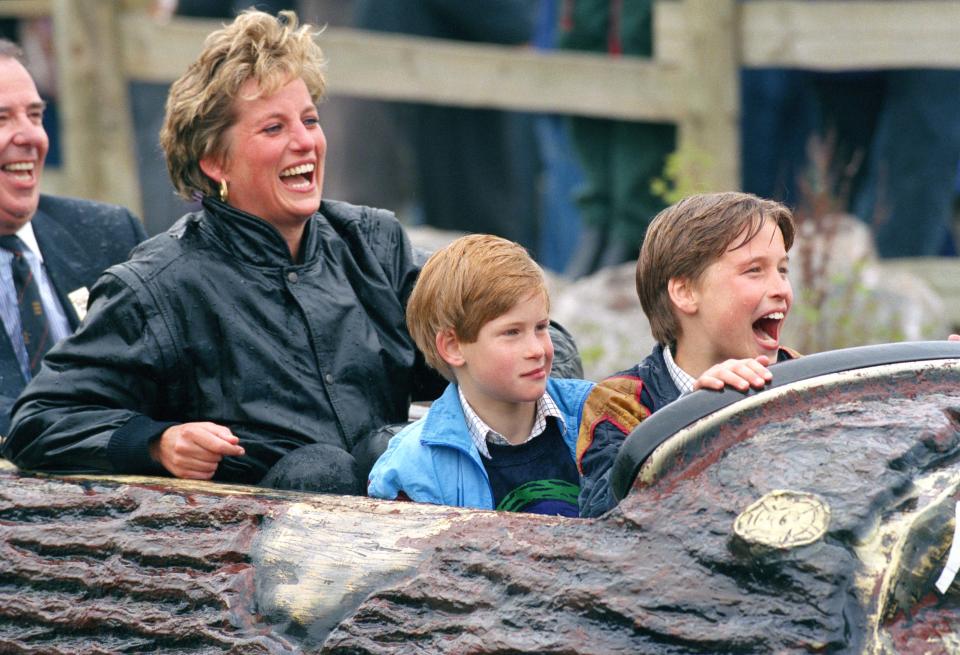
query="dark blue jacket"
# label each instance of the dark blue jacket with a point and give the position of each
(614, 408)
(78, 239)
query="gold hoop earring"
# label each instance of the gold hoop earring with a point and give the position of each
(224, 191)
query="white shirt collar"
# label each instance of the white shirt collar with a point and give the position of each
(681, 378)
(30, 239)
(481, 433)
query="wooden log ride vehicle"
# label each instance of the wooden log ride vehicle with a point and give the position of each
(816, 516)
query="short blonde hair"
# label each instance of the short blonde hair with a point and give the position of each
(685, 238)
(200, 106)
(466, 285)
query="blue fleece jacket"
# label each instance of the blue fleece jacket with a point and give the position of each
(434, 460)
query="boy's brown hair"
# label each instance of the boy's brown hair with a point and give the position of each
(465, 285)
(685, 238)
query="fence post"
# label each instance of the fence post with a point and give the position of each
(96, 124)
(710, 125)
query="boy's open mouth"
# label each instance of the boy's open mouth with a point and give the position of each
(768, 327)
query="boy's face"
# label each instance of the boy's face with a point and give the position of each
(510, 361)
(742, 300)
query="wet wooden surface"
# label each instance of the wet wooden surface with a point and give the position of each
(95, 565)
(141, 564)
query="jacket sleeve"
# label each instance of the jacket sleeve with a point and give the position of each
(89, 409)
(404, 468)
(613, 409)
(391, 246)
(402, 263)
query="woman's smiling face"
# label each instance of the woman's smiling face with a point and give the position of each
(274, 157)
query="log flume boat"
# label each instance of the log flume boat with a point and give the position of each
(817, 515)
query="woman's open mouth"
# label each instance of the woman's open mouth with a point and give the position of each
(298, 177)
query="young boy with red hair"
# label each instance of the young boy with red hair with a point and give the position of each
(502, 435)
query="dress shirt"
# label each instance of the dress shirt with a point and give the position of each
(10, 309)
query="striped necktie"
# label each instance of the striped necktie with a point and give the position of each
(33, 320)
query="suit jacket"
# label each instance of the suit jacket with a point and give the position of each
(78, 239)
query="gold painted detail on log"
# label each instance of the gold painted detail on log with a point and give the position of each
(784, 519)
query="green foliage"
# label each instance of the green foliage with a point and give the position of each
(848, 314)
(833, 305)
(686, 172)
(591, 355)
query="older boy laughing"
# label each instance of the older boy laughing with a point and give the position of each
(712, 280)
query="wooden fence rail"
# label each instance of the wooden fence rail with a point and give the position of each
(693, 79)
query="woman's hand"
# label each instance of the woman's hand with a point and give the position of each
(194, 450)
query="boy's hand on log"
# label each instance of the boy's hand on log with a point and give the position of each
(741, 374)
(194, 450)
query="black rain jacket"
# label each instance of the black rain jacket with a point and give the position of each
(214, 321)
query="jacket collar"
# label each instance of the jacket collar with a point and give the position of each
(657, 381)
(253, 239)
(445, 423)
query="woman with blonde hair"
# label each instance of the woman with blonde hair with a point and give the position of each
(266, 321)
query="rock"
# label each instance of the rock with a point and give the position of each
(943, 276)
(845, 296)
(603, 313)
(829, 248)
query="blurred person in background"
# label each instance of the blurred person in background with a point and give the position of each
(560, 225)
(619, 158)
(476, 169)
(911, 166)
(891, 139)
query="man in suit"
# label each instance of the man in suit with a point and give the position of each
(51, 249)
